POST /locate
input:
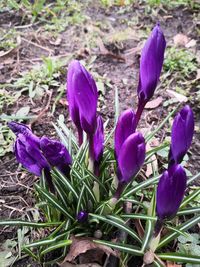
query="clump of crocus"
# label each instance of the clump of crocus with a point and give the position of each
(130, 159)
(82, 99)
(181, 136)
(151, 63)
(124, 128)
(56, 154)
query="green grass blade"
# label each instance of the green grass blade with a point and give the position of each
(117, 222)
(122, 247)
(183, 227)
(60, 244)
(26, 223)
(53, 201)
(178, 257)
(147, 235)
(189, 211)
(139, 216)
(194, 178)
(190, 198)
(140, 186)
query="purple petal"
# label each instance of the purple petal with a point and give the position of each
(28, 154)
(182, 134)
(56, 154)
(170, 192)
(151, 64)
(82, 216)
(124, 128)
(131, 157)
(20, 128)
(85, 95)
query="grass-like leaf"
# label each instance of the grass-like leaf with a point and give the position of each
(122, 247)
(189, 211)
(183, 227)
(178, 257)
(60, 244)
(139, 216)
(30, 224)
(147, 234)
(188, 199)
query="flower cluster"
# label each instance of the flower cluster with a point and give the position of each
(40, 154)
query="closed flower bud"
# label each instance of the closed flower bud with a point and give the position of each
(124, 128)
(131, 157)
(56, 154)
(182, 133)
(98, 140)
(82, 216)
(29, 155)
(82, 97)
(151, 65)
(170, 192)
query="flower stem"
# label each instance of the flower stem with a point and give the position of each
(140, 109)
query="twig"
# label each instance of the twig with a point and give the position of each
(37, 45)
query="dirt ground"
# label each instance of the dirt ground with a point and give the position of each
(108, 40)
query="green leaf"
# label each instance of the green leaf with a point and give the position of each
(178, 257)
(189, 198)
(147, 235)
(60, 244)
(194, 178)
(117, 110)
(183, 227)
(26, 223)
(122, 247)
(139, 216)
(53, 201)
(189, 211)
(117, 222)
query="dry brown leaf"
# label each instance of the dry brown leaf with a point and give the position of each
(153, 166)
(171, 264)
(198, 75)
(154, 103)
(181, 98)
(83, 245)
(191, 43)
(180, 39)
(67, 264)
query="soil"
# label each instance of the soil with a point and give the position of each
(16, 187)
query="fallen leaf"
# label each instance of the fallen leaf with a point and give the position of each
(56, 42)
(23, 111)
(154, 103)
(171, 264)
(83, 245)
(191, 43)
(181, 98)
(153, 165)
(180, 39)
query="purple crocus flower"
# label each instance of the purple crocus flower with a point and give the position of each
(56, 154)
(182, 133)
(82, 216)
(96, 146)
(150, 67)
(27, 152)
(82, 97)
(124, 128)
(170, 192)
(73, 106)
(131, 157)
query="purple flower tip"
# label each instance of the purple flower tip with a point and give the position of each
(82, 97)
(124, 128)
(82, 216)
(170, 192)
(151, 64)
(182, 134)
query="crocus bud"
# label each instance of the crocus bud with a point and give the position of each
(20, 128)
(150, 65)
(170, 192)
(131, 157)
(56, 154)
(29, 155)
(73, 106)
(82, 216)
(124, 128)
(83, 92)
(182, 133)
